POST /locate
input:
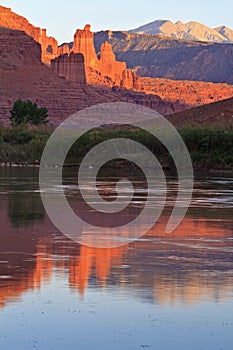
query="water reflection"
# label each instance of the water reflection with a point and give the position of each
(194, 263)
(159, 269)
(21, 192)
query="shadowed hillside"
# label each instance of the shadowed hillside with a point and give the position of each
(217, 114)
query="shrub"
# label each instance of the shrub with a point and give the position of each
(24, 112)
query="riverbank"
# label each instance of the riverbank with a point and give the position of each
(211, 149)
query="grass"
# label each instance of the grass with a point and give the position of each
(210, 148)
(22, 144)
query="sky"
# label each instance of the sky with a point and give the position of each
(61, 18)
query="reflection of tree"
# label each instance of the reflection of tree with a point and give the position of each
(25, 209)
(24, 203)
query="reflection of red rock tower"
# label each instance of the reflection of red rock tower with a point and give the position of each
(44, 261)
(80, 268)
(28, 275)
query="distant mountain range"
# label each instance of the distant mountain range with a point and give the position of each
(164, 57)
(187, 31)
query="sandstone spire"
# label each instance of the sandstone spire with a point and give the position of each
(106, 53)
(84, 43)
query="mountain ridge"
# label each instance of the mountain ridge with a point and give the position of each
(188, 31)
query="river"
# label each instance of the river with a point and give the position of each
(162, 291)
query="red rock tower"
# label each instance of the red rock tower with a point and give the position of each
(84, 43)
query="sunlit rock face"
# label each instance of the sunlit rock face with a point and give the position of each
(83, 43)
(24, 76)
(49, 45)
(105, 70)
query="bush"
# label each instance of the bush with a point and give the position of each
(17, 136)
(24, 112)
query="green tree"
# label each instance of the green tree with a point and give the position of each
(24, 112)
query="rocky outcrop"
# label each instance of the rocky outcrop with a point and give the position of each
(130, 79)
(105, 70)
(109, 67)
(49, 45)
(16, 46)
(70, 67)
(63, 49)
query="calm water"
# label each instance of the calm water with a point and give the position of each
(161, 292)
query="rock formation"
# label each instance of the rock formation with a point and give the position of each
(109, 67)
(84, 43)
(49, 45)
(22, 75)
(70, 67)
(105, 70)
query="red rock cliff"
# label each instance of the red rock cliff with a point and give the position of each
(103, 71)
(49, 45)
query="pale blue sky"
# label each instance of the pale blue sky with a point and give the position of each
(63, 17)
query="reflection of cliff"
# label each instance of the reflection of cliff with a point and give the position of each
(17, 271)
(163, 270)
(194, 262)
(195, 227)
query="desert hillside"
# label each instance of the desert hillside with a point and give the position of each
(217, 114)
